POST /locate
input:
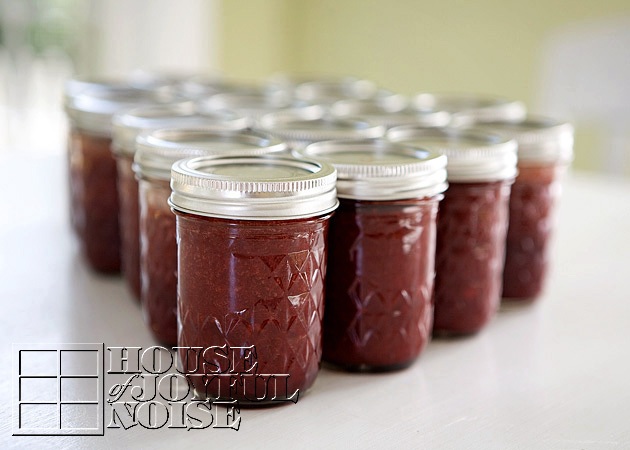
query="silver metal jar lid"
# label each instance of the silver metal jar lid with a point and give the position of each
(92, 110)
(467, 109)
(81, 83)
(376, 169)
(329, 91)
(157, 151)
(253, 188)
(473, 156)
(378, 114)
(539, 139)
(128, 125)
(304, 126)
(203, 86)
(253, 103)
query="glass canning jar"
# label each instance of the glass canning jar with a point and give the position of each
(251, 266)
(545, 150)
(156, 153)
(126, 127)
(468, 109)
(300, 127)
(381, 252)
(93, 173)
(472, 224)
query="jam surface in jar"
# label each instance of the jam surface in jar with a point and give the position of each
(380, 282)
(129, 224)
(260, 283)
(94, 199)
(532, 204)
(472, 226)
(159, 261)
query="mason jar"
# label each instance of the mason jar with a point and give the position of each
(381, 252)
(93, 173)
(472, 223)
(126, 128)
(469, 109)
(545, 150)
(252, 250)
(156, 153)
(300, 127)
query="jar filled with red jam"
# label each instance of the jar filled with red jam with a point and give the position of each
(251, 235)
(126, 127)
(93, 173)
(156, 153)
(381, 252)
(390, 111)
(469, 109)
(303, 126)
(545, 150)
(472, 224)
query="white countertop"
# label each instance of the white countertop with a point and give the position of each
(553, 375)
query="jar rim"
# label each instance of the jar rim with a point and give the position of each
(301, 126)
(128, 125)
(157, 150)
(377, 169)
(473, 155)
(540, 139)
(468, 108)
(389, 115)
(93, 109)
(253, 187)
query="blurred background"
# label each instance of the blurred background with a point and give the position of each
(565, 58)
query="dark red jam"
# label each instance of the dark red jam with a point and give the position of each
(129, 227)
(532, 201)
(260, 283)
(158, 261)
(380, 283)
(94, 200)
(472, 226)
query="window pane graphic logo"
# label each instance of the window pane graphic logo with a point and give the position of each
(58, 389)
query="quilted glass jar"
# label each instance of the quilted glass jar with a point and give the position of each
(472, 224)
(94, 198)
(545, 150)
(381, 252)
(252, 235)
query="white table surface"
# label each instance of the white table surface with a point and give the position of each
(553, 375)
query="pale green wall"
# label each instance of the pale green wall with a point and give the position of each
(490, 46)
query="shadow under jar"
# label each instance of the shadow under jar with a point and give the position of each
(381, 252)
(94, 199)
(156, 153)
(545, 150)
(126, 127)
(472, 224)
(252, 249)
